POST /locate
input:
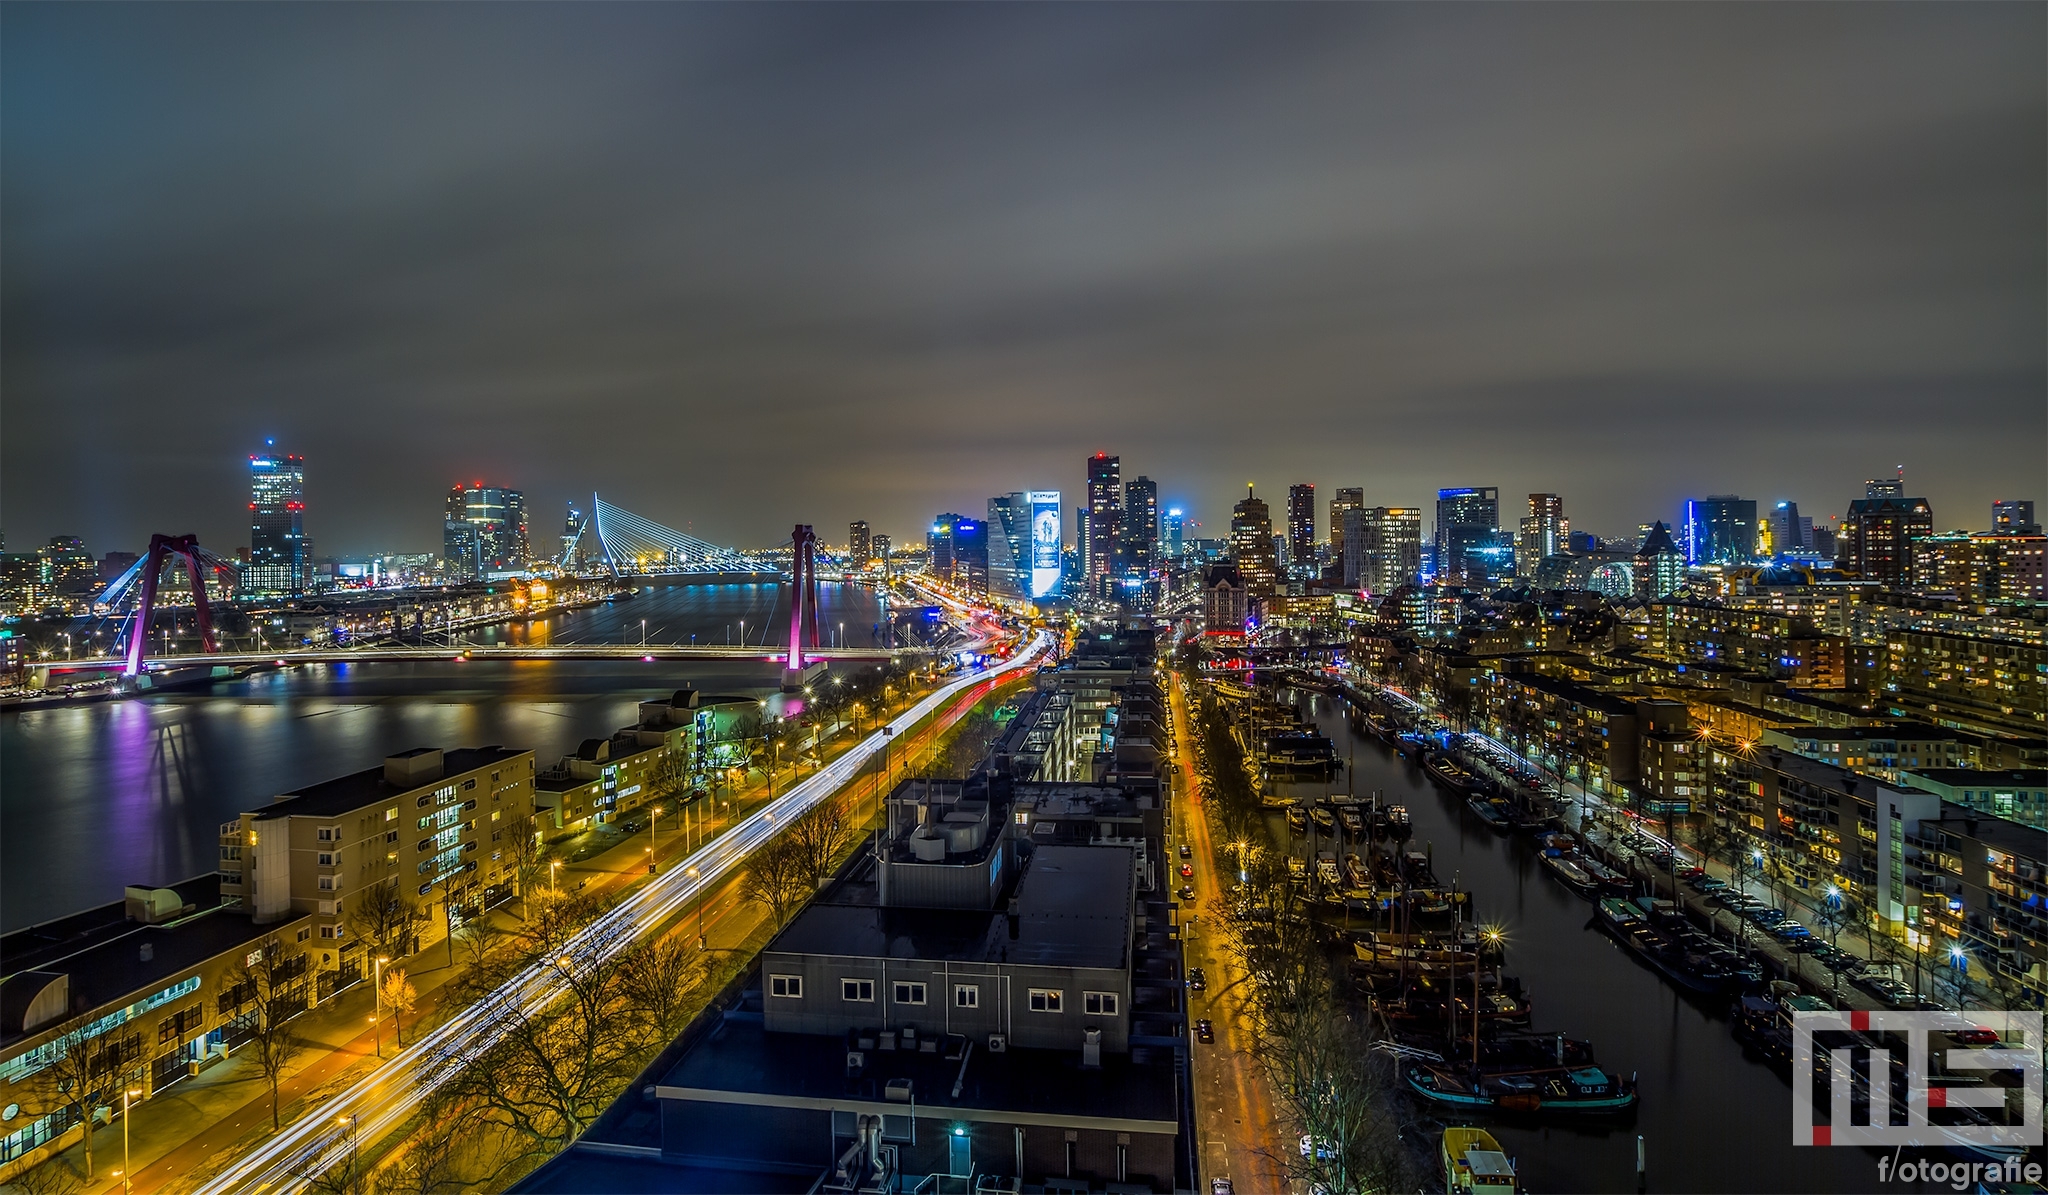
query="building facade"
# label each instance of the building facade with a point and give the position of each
(280, 554)
(1720, 529)
(1467, 525)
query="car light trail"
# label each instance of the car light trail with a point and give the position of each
(386, 1097)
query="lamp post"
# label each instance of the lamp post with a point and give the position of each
(377, 983)
(554, 865)
(700, 913)
(127, 1094)
(651, 841)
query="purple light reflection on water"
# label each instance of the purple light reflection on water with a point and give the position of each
(96, 797)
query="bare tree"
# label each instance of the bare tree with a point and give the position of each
(341, 1172)
(655, 982)
(399, 995)
(80, 1068)
(391, 917)
(817, 838)
(427, 1162)
(778, 876)
(530, 863)
(553, 1071)
(271, 981)
(52, 1176)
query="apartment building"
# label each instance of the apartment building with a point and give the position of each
(2017, 794)
(442, 826)
(1991, 685)
(146, 984)
(1886, 751)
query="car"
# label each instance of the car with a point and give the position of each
(1975, 1036)
(1320, 1148)
(1196, 981)
(1187, 892)
(1690, 874)
(1187, 872)
(1707, 883)
(1788, 930)
(1186, 851)
(1204, 1031)
(1767, 916)
(1221, 1186)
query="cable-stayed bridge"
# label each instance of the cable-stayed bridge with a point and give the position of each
(615, 540)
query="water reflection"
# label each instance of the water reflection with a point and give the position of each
(95, 797)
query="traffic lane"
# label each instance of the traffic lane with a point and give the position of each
(1231, 1081)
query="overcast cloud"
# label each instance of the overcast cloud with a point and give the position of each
(738, 267)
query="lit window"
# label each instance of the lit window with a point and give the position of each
(862, 990)
(789, 986)
(1045, 999)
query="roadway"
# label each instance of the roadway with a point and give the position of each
(1235, 1121)
(649, 652)
(387, 1097)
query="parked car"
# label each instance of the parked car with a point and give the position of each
(1196, 982)
(1766, 916)
(1321, 1148)
(1707, 883)
(1187, 871)
(1690, 874)
(1221, 1186)
(1187, 892)
(1188, 852)
(1786, 931)
(1204, 1031)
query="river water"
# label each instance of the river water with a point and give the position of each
(97, 796)
(1712, 1118)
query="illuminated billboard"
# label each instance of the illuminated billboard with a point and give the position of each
(1045, 542)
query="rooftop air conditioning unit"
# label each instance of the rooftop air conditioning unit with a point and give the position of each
(997, 1043)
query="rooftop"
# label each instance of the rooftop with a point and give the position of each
(1073, 909)
(1975, 778)
(101, 951)
(740, 1056)
(346, 794)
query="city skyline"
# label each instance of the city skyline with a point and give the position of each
(1425, 247)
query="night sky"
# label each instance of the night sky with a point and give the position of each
(737, 267)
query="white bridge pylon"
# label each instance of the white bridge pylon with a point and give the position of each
(627, 544)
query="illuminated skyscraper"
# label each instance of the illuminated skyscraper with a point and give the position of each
(1009, 545)
(280, 555)
(1347, 500)
(1105, 518)
(1790, 531)
(1877, 536)
(483, 531)
(1720, 529)
(1138, 542)
(1301, 526)
(1173, 531)
(1466, 522)
(1251, 542)
(1659, 565)
(860, 544)
(1382, 547)
(1544, 531)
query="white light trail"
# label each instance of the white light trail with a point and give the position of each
(383, 1099)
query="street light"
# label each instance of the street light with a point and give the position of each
(127, 1168)
(377, 982)
(700, 912)
(651, 842)
(553, 867)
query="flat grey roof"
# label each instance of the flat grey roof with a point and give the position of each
(345, 794)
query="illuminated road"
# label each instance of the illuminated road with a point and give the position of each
(580, 651)
(386, 1098)
(1235, 1120)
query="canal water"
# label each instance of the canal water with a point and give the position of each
(1712, 1118)
(97, 796)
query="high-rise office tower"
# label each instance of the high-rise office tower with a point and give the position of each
(1138, 541)
(1543, 533)
(1876, 542)
(1346, 501)
(1105, 517)
(1301, 526)
(483, 531)
(1173, 532)
(572, 537)
(1720, 529)
(970, 555)
(938, 547)
(860, 544)
(280, 555)
(1009, 545)
(1251, 541)
(1790, 531)
(1885, 487)
(1467, 519)
(2014, 517)
(880, 544)
(1382, 547)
